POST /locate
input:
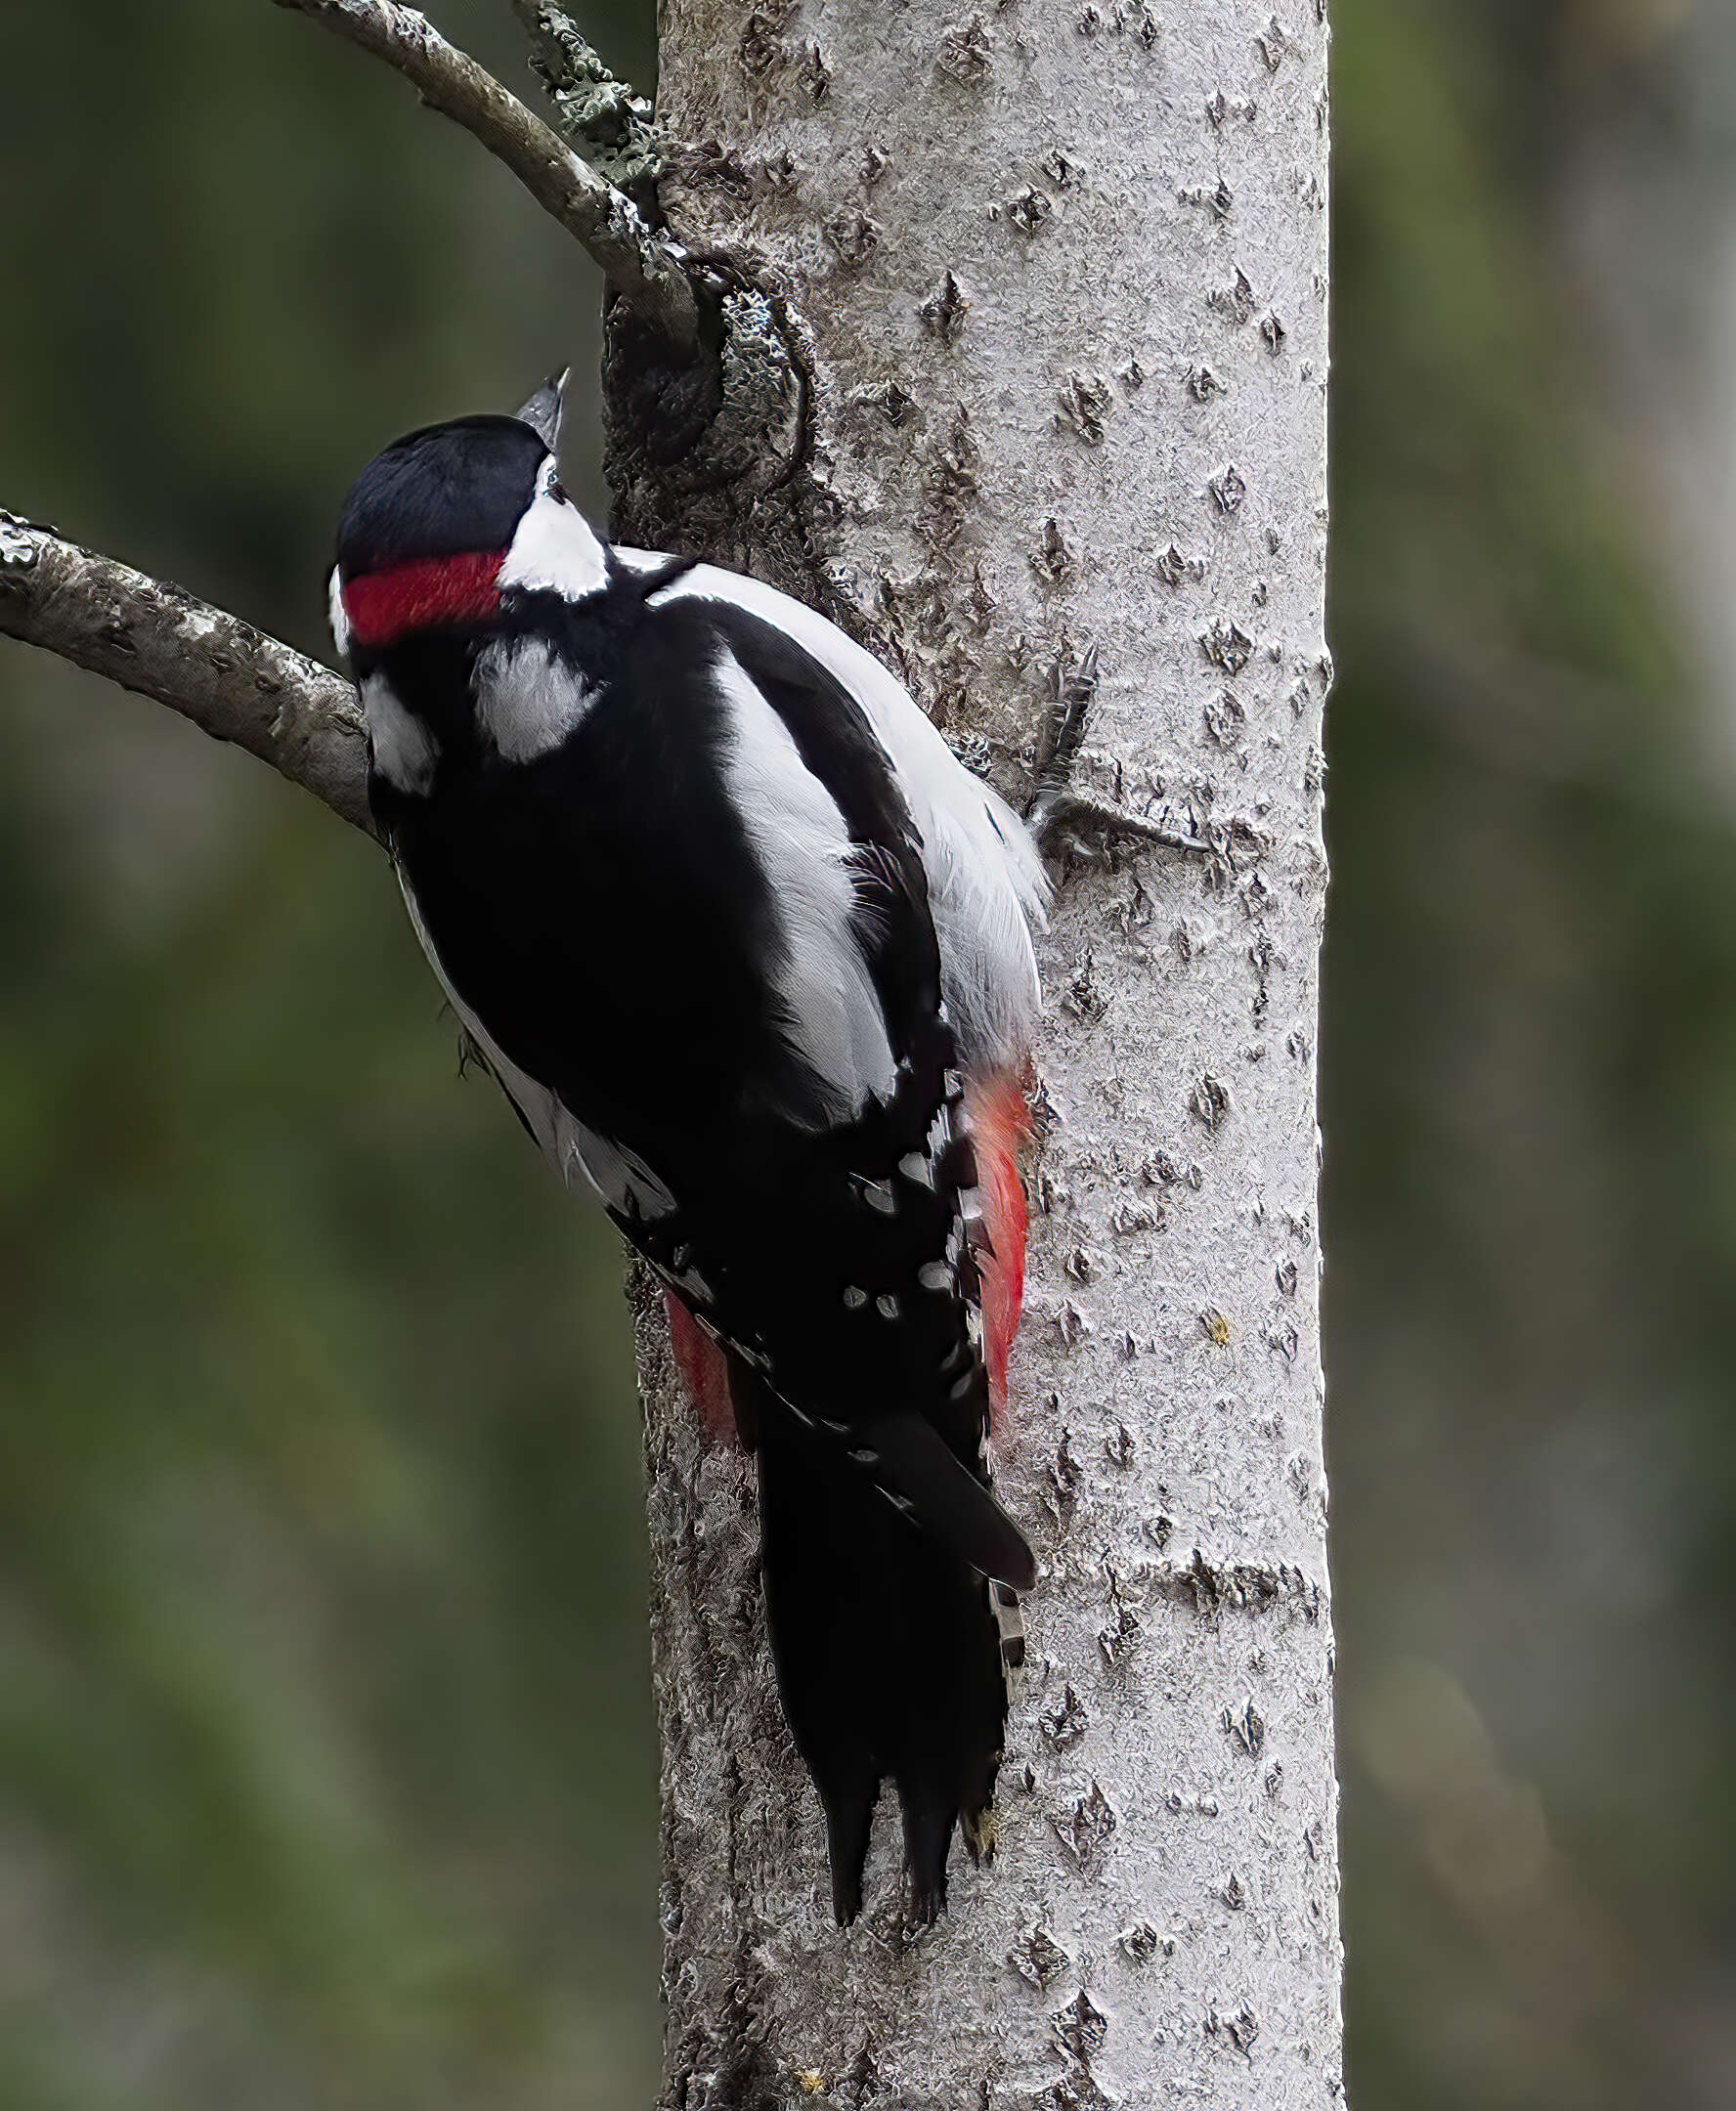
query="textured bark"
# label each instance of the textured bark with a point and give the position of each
(1014, 360)
(1050, 284)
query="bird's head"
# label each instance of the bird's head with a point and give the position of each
(448, 520)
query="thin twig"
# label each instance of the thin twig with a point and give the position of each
(235, 682)
(643, 264)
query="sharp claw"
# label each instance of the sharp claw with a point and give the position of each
(1071, 824)
(1069, 714)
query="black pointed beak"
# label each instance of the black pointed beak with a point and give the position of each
(542, 412)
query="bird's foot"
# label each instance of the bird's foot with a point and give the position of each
(1068, 822)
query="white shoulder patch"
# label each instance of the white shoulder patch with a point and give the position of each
(831, 1013)
(405, 752)
(528, 700)
(987, 889)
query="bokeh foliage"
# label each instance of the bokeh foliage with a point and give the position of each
(1530, 1052)
(326, 1772)
(327, 1765)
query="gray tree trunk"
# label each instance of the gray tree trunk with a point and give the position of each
(1057, 281)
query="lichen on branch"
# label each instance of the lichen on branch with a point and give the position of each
(607, 119)
(643, 265)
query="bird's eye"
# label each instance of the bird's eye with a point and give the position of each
(557, 491)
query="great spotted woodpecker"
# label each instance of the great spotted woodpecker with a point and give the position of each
(750, 953)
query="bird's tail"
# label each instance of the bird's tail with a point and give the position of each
(891, 1654)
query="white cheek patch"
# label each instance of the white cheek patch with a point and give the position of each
(405, 752)
(556, 550)
(527, 699)
(340, 622)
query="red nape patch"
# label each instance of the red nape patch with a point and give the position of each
(383, 606)
(704, 1371)
(999, 1122)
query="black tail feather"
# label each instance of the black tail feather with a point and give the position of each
(888, 1658)
(849, 1800)
(928, 1838)
(910, 1460)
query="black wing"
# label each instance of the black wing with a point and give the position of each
(837, 1264)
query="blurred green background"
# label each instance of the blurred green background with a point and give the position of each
(327, 1766)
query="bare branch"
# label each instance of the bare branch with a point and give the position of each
(640, 262)
(233, 681)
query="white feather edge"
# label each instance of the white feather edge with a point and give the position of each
(405, 752)
(621, 1180)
